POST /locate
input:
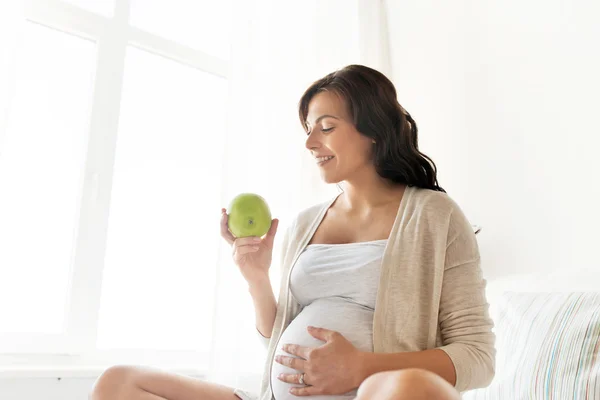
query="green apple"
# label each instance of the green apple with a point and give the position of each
(249, 215)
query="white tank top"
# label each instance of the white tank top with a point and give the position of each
(336, 285)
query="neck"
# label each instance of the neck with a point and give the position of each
(367, 191)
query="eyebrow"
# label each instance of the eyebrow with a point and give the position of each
(321, 117)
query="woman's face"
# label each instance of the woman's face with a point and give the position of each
(333, 134)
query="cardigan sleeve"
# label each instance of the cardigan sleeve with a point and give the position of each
(465, 325)
(284, 248)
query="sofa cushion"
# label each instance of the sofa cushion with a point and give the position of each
(547, 347)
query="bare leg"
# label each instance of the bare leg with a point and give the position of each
(413, 384)
(144, 383)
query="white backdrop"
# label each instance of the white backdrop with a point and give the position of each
(506, 98)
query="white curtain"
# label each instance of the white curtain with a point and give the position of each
(278, 50)
(11, 23)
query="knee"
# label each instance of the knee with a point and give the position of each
(413, 378)
(380, 382)
(411, 383)
(113, 383)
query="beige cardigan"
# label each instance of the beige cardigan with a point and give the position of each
(431, 290)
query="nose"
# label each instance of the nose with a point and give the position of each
(312, 142)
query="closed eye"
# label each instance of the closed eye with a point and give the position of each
(322, 130)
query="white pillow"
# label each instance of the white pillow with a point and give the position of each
(547, 347)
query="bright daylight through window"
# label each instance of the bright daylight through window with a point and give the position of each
(106, 181)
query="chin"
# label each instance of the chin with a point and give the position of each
(330, 179)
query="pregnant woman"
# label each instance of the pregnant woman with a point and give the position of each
(382, 295)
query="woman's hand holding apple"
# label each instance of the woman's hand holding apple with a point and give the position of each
(251, 254)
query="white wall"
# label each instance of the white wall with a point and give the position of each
(506, 96)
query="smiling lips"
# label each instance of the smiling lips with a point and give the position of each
(323, 160)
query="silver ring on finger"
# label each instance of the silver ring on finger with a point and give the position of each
(301, 380)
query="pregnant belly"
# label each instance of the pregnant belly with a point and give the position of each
(353, 321)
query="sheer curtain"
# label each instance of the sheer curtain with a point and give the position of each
(278, 50)
(11, 19)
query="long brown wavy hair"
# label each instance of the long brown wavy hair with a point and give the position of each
(372, 102)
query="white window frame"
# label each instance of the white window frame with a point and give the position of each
(73, 353)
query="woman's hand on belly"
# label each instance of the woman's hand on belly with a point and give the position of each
(332, 368)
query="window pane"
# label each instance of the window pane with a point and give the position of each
(201, 24)
(103, 7)
(41, 166)
(161, 257)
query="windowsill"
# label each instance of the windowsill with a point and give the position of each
(92, 366)
(63, 371)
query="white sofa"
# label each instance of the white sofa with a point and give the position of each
(547, 337)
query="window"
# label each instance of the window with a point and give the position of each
(186, 22)
(169, 142)
(103, 7)
(108, 187)
(40, 178)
